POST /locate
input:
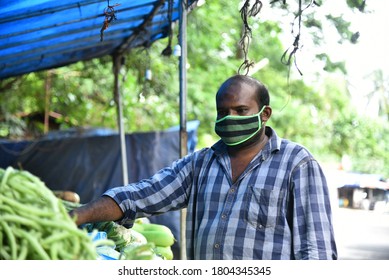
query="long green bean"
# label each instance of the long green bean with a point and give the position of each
(19, 220)
(23, 250)
(55, 238)
(4, 253)
(5, 176)
(20, 207)
(33, 242)
(11, 238)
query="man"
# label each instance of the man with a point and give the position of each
(252, 195)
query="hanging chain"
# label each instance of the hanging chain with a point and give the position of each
(110, 15)
(290, 53)
(245, 13)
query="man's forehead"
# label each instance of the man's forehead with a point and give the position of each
(236, 90)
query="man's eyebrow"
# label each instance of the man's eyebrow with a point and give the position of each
(241, 107)
(233, 107)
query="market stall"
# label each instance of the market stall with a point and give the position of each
(362, 191)
(39, 35)
(35, 225)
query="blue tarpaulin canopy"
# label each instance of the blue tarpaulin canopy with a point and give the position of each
(43, 34)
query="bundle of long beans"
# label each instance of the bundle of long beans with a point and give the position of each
(34, 223)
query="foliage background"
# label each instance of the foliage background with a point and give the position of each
(317, 114)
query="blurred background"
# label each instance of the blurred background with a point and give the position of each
(326, 70)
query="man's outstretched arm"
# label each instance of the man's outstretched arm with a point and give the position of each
(102, 209)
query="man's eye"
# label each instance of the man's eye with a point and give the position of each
(241, 111)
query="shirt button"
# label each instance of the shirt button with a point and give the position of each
(232, 190)
(224, 216)
(216, 246)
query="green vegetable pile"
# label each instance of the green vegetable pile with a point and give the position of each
(35, 224)
(144, 241)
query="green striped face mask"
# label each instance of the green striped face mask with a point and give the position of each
(234, 130)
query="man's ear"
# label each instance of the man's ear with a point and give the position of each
(266, 114)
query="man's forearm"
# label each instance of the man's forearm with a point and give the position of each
(102, 209)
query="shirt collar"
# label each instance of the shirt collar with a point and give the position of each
(274, 143)
(272, 146)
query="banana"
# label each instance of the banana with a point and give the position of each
(158, 234)
(150, 227)
(159, 238)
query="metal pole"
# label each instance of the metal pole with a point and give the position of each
(117, 64)
(183, 130)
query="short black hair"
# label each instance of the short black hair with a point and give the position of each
(262, 93)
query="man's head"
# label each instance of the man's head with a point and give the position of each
(259, 90)
(242, 105)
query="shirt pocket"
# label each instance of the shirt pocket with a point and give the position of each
(263, 206)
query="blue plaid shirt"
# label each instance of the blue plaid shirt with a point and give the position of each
(279, 208)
